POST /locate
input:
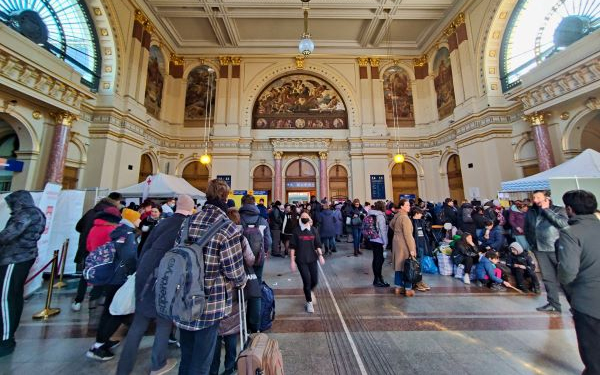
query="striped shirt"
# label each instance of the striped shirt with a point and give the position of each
(223, 266)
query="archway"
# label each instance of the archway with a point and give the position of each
(300, 181)
(404, 180)
(262, 180)
(455, 180)
(590, 136)
(9, 145)
(146, 168)
(196, 174)
(338, 183)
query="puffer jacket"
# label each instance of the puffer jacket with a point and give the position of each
(328, 221)
(85, 224)
(542, 227)
(99, 234)
(18, 240)
(125, 240)
(250, 214)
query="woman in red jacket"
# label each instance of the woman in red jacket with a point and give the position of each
(105, 222)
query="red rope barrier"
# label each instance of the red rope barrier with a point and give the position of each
(40, 271)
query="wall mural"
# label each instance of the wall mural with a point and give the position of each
(444, 87)
(195, 97)
(154, 82)
(397, 91)
(299, 101)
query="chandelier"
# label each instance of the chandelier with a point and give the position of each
(306, 45)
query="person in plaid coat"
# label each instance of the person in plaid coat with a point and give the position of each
(223, 269)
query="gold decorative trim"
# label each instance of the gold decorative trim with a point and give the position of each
(224, 60)
(140, 17)
(537, 118)
(362, 62)
(36, 115)
(63, 118)
(420, 61)
(374, 62)
(459, 20)
(236, 60)
(300, 62)
(176, 60)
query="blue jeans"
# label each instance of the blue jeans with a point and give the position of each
(356, 237)
(197, 350)
(230, 354)
(399, 280)
(328, 243)
(420, 252)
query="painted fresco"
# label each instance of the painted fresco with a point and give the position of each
(299, 101)
(444, 87)
(198, 82)
(398, 98)
(154, 82)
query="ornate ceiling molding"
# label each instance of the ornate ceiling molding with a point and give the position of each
(300, 144)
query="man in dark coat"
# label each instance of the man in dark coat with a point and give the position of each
(18, 250)
(161, 239)
(276, 225)
(450, 212)
(579, 273)
(83, 226)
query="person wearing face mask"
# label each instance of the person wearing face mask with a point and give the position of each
(168, 209)
(148, 224)
(305, 252)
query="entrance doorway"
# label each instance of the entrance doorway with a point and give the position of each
(338, 183)
(455, 181)
(9, 145)
(145, 167)
(300, 178)
(262, 180)
(404, 180)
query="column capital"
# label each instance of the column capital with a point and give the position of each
(224, 60)
(236, 60)
(176, 60)
(278, 155)
(140, 17)
(323, 155)
(420, 61)
(592, 103)
(537, 118)
(363, 62)
(459, 20)
(374, 62)
(63, 118)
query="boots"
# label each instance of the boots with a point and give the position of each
(378, 282)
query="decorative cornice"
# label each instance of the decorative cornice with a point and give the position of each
(362, 62)
(420, 61)
(374, 62)
(459, 20)
(593, 103)
(537, 118)
(140, 16)
(303, 144)
(224, 60)
(176, 60)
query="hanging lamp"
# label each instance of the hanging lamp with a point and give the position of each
(306, 45)
(205, 159)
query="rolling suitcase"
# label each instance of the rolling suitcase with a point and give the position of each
(260, 354)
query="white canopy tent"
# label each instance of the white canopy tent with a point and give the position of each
(162, 185)
(584, 165)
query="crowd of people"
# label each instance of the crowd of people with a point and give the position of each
(490, 245)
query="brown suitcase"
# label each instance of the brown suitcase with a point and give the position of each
(261, 355)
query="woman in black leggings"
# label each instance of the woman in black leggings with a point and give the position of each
(305, 252)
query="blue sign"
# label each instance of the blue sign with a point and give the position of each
(408, 196)
(377, 186)
(300, 184)
(240, 192)
(226, 178)
(261, 192)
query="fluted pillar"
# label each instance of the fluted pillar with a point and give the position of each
(60, 143)
(323, 180)
(541, 138)
(278, 193)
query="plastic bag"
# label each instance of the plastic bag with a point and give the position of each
(428, 265)
(124, 301)
(412, 271)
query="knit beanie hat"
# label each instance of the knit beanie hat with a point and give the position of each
(110, 214)
(130, 215)
(517, 246)
(185, 203)
(496, 203)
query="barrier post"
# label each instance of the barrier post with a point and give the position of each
(49, 311)
(63, 258)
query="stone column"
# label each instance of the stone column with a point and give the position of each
(278, 193)
(323, 181)
(541, 137)
(60, 143)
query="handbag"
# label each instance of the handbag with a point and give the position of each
(123, 302)
(412, 270)
(348, 220)
(252, 288)
(356, 221)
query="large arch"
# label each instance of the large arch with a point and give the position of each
(197, 174)
(301, 178)
(28, 152)
(455, 178)
(262, 176)
(111, 38)
(571, 136)
(147, 166)
(339, 182)
(405, 180)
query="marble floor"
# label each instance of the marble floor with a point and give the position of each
(356, 329)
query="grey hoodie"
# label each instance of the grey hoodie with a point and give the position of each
(18, 240)
(249, 214)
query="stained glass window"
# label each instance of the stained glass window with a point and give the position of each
(537, 29)
(64, 27)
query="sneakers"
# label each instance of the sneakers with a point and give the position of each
(100, 354)
(76, 306)
(498, 288)
(173, 340)
(549, 309)
(467, 278)
(171, 362)
(422, 287)
(309, 308)
(112, 344)
(313, 297)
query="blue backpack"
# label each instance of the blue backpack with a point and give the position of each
(268, 307)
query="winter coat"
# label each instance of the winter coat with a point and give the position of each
(382, 227)
(291, 221)
(463, 250)
(161, 239)
(466, 211)
(579, 264)
(327, 228)
(450, 215)
(403, 243)
(85, 224)
(339, 222)
(496, 239)
(485, 267)
(357, 212)
(250, 214)
(263, 211)
(523, 259)
(276, 219)
(18, 239)
(125, 240)
(479, 221)
(516, 218)
(150, 223)
(425, 240)
(99, 234)
(542, 227)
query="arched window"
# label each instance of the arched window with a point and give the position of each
(63, 27)
(539, 28)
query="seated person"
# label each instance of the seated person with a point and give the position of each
(492, 237)
(522, 266)
(465, 254)
(488, 274)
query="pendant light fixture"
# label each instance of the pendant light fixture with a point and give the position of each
(206, 158)
(398, 157)
(306, 45)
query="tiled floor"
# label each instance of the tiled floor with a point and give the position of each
(357, 329)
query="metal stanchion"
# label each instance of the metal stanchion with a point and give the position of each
(63, 258)
(48, 311)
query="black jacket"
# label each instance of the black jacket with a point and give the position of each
(579, 264)
(159, 241)
(523, 259)
(85, 224)
(18, 240)
(275, 218)
(450, 215)
(543, 235)
(463, 250)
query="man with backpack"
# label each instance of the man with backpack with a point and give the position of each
(256, 231)
(223, 267)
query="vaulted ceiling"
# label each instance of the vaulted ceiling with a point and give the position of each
(402, 27)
